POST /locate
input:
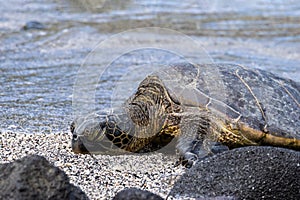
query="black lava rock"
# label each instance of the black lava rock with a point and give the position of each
(136, 194)
(34, 25)
(33, 177)
(244, 173)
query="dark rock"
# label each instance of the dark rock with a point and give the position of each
(34, 25)
(33, 177)
(136, 194)
(244, 173)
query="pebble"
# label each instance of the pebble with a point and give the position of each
(100, 176)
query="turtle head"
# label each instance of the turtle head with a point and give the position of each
(98, 134)
(87, 135)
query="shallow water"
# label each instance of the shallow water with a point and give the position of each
(39, 67)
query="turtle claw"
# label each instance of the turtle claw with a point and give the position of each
(187, 160)
(188, 163)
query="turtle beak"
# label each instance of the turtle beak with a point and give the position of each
(78, 146)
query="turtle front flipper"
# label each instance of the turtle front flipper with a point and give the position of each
(151, 98)
(196, 140)
(199, 150)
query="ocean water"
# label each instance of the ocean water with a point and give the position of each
(104, 48)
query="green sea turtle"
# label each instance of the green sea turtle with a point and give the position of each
(207, 108)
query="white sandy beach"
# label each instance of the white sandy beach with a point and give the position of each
(100, 177)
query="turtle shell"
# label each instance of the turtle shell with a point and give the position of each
(259, 99)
